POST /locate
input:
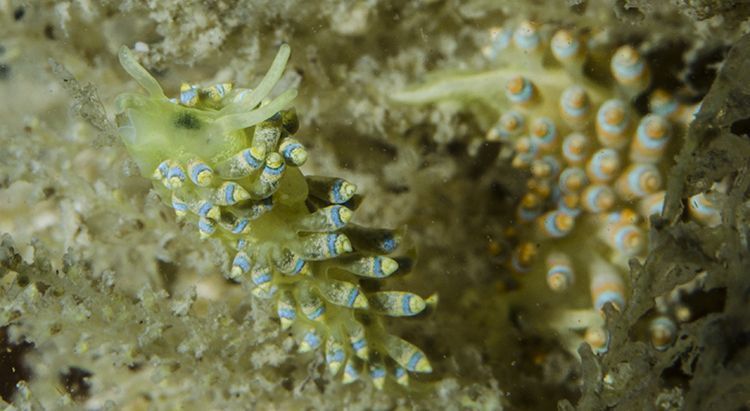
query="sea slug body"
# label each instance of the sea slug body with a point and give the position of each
(225, 159)
(596, 161)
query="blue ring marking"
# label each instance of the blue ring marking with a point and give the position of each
(596, 163)
(273, 171)
(241, 243)
(163, 168)
(331, 243)
(176, 171)
(388, 244)
(359, 344)
(205, 226)
(205, 208)
(334, 215)
(298, 265)
(188, 95)
(504, 132)
(565, 50)
(500, 43)
(549, 136)
(287, 151)
(377, 267)
(266, 292)
(503, 39)
(351, 371)
(567, 174)
(312, 339)
(602, 121)
(551, 226)
(634, 179)
(229, 193)
(197, 170)
(610, 296)
(336, 356)
(414, 360)
(220, 89)
(335, 192)
(377, 372)
(571, 156)
(656, 208)
(620, 238)
(352, 297)
(614, 217)
(526, 41)
(560, 269)
(241, 261)
(179, 205)
(405, 304)
(261, 207)
(665, 109)
(705, 207)
(648, 142)
(698, 206)
(262, 278)
(399, 372)
(630, 71)
(240, 225)
(287, 313)
(573, 111)
(524, 95)
(573, 212)
(592, 196)
(317, 313)
(253, 162)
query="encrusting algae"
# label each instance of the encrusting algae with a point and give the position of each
(225, 159)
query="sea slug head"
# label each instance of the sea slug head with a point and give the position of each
(207, 123)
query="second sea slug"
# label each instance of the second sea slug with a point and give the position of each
(561, 103)
(225, 159)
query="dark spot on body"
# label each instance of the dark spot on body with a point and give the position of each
(18, 13)
(4, 71)
(187, 120)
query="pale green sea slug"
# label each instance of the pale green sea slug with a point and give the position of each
(225, 160)
(594, 163)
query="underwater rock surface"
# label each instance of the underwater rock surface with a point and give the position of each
(108, 302)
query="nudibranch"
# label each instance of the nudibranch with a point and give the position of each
(595, 163)
(225, 159)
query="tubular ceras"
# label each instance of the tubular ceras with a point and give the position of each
(226, 162)
(595, 165)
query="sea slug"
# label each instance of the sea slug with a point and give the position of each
(225, 159)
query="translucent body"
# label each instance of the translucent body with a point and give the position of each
(225, 160)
